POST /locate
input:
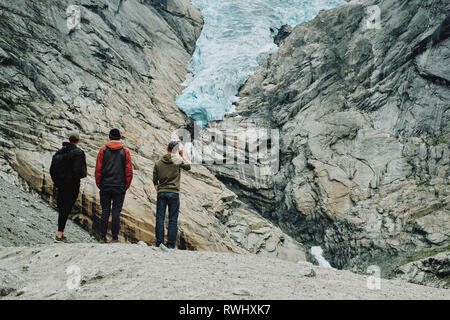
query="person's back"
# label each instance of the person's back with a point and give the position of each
(113, 176)
(112, 162)
(167, 174)
(74, 165)
(166, 179)
(67, 169)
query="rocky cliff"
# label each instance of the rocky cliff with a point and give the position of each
(120, 64)
(360, 96)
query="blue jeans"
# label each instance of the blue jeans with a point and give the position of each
(171, 200)
(116, 197)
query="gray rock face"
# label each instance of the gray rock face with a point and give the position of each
(362, 111)
(27, 221)
(282, 34)
(432, 271)
(120, 64)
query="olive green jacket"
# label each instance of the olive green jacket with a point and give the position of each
(167, 174)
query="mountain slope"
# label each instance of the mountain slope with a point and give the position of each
(122, 67)
(26, 220)
(363, 118)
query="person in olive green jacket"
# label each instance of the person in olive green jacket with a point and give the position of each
(166, 179)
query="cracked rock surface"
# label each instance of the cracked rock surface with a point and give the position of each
(121, 67)
(363, 120)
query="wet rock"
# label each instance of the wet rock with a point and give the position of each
(282, 34)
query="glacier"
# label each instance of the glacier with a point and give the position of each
(235, 39)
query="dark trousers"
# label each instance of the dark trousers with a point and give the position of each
(111, 199)
(67, 194)
(164, 200)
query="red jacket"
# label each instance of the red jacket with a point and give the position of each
(108, 169)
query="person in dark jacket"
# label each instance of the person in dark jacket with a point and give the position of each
(68, 187)
(113, 176)
(166, 179)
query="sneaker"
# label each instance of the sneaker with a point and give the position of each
(59, 240)
(102, 240)
(163, 247)
(115, 241)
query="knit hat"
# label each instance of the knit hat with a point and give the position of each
(114, 134)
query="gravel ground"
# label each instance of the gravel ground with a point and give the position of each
(28, 221)
(33, 267)
(137, 271)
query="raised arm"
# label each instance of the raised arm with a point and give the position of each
(186, 165)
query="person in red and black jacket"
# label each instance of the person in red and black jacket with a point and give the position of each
(113, 176)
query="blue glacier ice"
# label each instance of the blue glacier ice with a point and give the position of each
(234, 41)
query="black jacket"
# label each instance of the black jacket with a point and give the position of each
(76, 164)
(114, 167)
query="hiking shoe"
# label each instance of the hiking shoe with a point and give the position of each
(115, 241)
(102, 240)
(59, 240)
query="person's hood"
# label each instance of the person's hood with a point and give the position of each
(167, 159)
(67, 146)
(172, 159)
(114, 145)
